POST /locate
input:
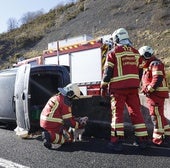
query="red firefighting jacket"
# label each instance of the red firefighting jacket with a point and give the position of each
(154, 79)
(121, 68)
(56, 114)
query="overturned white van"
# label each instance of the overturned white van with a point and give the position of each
(25, 90)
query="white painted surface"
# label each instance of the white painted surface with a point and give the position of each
(9, 164)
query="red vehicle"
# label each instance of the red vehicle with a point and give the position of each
(85, 60)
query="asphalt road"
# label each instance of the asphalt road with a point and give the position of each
(91, 153)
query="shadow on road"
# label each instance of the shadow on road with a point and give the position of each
(100, 146)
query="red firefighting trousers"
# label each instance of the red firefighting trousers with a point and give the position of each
(156, 110)
(129, 97)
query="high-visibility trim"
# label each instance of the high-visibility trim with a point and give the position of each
(124, 77)
(159, 120)
(120, 133)
(126, 53)
(119, 66)
(66, 116)
(157, 73)
(120, 125)
(167, 130)
(164, 83)
(138, 126)
(159, 130)
(53, 108)
(162, 89)
(104, 83)
(129, 55)
(166, 127)
(114, 125)
(112, 133)
(77, 45)
(109, 64)
(46, 118)
(141, 133)
(167, 133)
(59, 139)
(150, 88)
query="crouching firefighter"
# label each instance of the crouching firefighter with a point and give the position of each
(56, 117)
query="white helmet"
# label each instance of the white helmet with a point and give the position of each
(146, 52)
(120, 34)
(71, 90)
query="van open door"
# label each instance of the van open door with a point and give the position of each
(21, 100)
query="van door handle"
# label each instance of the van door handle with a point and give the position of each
(23, 96)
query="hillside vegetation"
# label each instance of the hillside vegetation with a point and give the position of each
(147, 21)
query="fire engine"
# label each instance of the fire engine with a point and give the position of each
(85, 60)
(83, 55)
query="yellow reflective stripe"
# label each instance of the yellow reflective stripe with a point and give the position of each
(104, 83)
(167, 133)
(162, 89)
(46, 118)
(124, 77)
(157, 73)
(109, 64)
(66, 116)
(131, 54)
(54, 107)
(150, 88)
(112, 133)
(120, 133)
(138, 126)
(143, 133)
(56, 141)
(120, 69)
(120, 125)
(166, 127)
(159, 120)
(159, 130)
(164, 83)
(119, 56)
(137, 59)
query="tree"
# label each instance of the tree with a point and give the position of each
(12, 24)
(30, 16)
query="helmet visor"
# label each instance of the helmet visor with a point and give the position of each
(62, 91)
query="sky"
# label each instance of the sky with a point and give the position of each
(17, 8)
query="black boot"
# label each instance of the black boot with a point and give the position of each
(46, 139)
(141, 142)
(115, 146)
(166, 140)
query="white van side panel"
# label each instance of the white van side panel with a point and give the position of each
(21, 96)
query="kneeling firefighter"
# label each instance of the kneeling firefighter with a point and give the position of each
(56, 117)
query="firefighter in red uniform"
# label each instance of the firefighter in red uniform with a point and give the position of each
(121, 76)
(56, 117)
(154, 86)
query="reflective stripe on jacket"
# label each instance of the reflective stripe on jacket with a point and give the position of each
(123, 61)
(55, 113)
(154, 78)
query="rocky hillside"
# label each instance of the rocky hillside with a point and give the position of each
(147, 21)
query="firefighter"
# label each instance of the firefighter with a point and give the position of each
(154, 86)
(56, 117)
(121, 80)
